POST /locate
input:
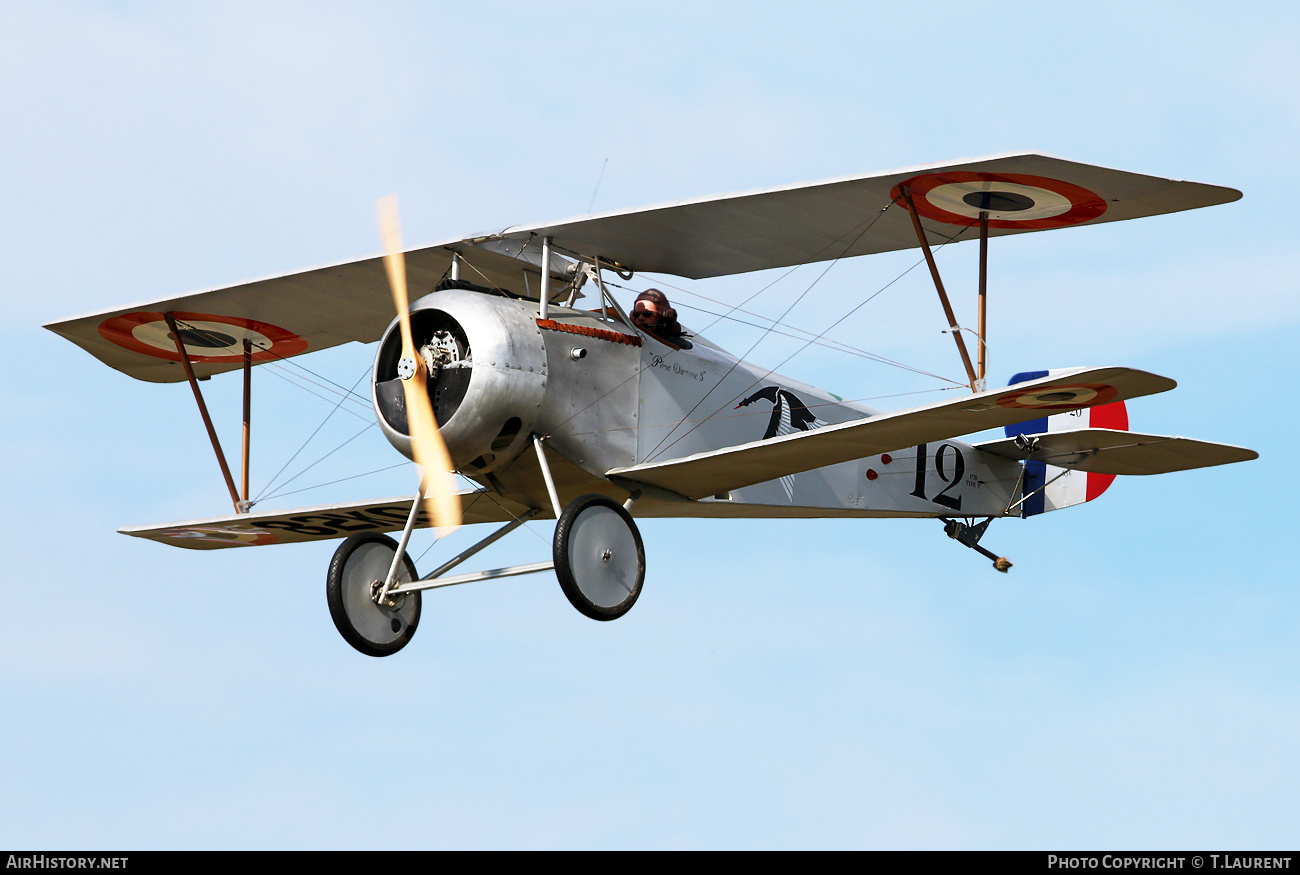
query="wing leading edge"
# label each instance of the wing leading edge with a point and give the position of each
(839, 218)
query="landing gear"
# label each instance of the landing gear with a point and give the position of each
(356, 576)
(599, 557)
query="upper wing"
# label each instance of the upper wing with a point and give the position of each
(722, 470)
(727, 234)
(1107, 451)
(288, 315)
(837, 218)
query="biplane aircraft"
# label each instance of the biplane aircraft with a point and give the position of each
(593, 414)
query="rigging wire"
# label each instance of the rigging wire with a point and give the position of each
(279, 364)
(271, 482)
(953, 239)
(480, 493)
(340, 480)
(486, 493)
(595, 190)
(870, 223)
(803, 333)
(322, 383)
(350, 394)
(294, 380)
(280, 361)
(333, 388)
(760, 291)
(866, 226)
(283, 373)
(318, 461)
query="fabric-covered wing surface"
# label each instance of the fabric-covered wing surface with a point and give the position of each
(720, 471)
(319, 523)
(1107, 451)
(837, 218)
(726, 234)
(285, 315)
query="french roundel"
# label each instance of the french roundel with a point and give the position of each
(207, 337)
(1069, 397)
(222, 536)
(1012, 200)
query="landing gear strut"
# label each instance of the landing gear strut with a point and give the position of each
(374, 591)
(970, 536)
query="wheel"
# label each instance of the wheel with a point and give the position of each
(357, 571)
(599, 558)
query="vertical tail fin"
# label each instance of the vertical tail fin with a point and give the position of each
(1064, 488)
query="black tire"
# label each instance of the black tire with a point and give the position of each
(599, 557)
(357, 564)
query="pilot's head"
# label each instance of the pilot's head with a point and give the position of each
(648, 310)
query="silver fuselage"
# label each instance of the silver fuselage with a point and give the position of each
(604, 395)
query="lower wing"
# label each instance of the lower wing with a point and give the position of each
(719, 471)
(317, 523)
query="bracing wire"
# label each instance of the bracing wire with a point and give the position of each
(321, 459)
(340, 480)
(866, 226)
(266, 489)
(800, 333)
(954, 238)
(814, 338)
(299, 383)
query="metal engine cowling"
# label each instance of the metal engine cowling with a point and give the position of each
(487, 376)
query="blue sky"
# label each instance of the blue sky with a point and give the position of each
(1130, 684)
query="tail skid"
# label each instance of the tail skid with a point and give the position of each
(969, 536)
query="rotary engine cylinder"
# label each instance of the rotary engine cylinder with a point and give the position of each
(487, 376)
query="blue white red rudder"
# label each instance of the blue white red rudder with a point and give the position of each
(1064, 487)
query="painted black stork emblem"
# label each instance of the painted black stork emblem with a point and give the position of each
(789, 414)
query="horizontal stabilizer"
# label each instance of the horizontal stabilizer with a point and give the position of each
(318, 523)
(1106, 451)
(719, 471)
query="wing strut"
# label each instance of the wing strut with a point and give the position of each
(248, 419)
(983, 297)
(203, 411)
(976, 382)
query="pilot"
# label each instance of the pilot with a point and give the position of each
(653, 314)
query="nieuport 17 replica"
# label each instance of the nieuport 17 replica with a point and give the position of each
(595, 414)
